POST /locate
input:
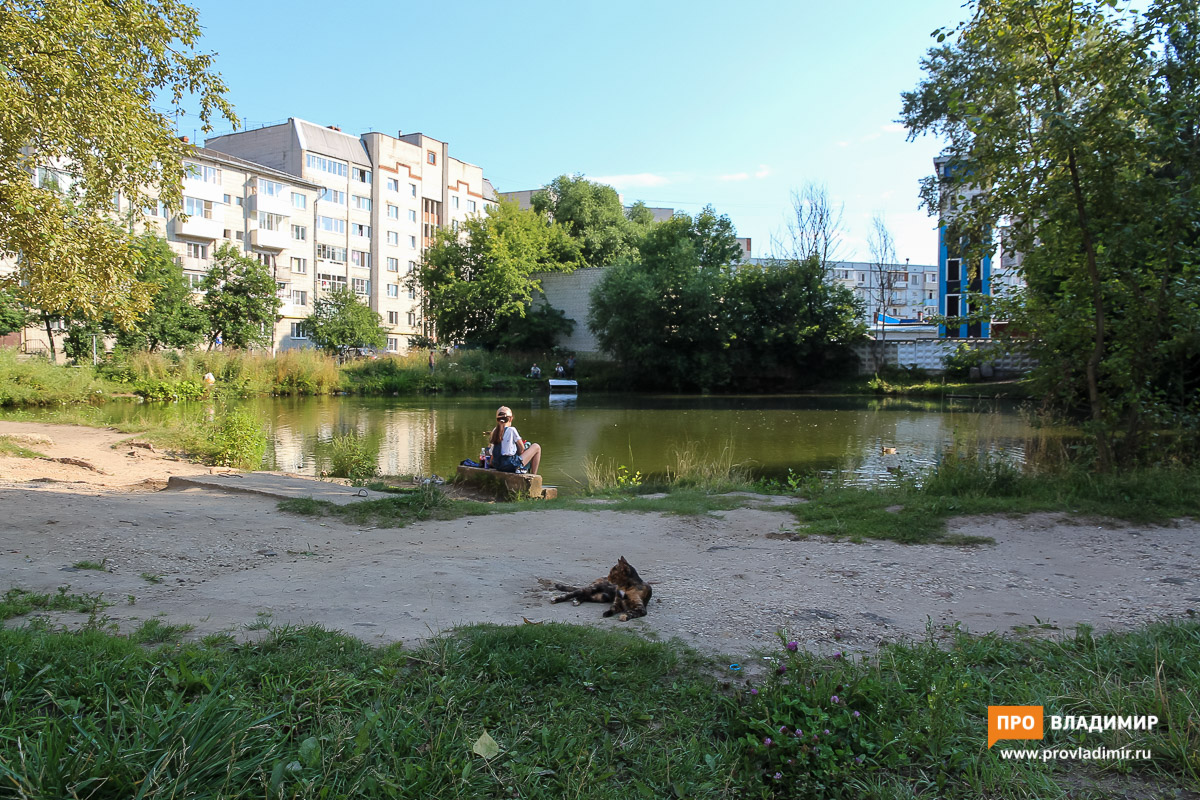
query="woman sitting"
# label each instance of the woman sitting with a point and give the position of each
(509, 451)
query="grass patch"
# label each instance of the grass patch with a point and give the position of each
(409, 505)
(573, 711)
(917, 383)
(13, 446)
(155, 631)
(150, 577)
(99, 566)
(17, 602)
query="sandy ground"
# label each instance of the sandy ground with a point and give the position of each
(229, 561)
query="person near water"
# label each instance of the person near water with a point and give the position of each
(510, 453)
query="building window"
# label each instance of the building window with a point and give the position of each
(194, 207)
(361, 175)
(326, 165)
(362, 286)
(393, 265)
(196, 250)
(393, 344)
(412, 189)
(299, 265)
(393, 212)
(270, 222)
(266, 259)
(412, 215)
(299, 201)
(194, 282)
(331, 253)
(393, 238)
(361, 203)
(412, 293)
(299, 233)
(271, 188)
(393, 185)
(331, 282)
(471, 205)
(431, 157)
(412, 319)
(203, 173)
(332, 225)
(298, 330)
(393, 318)
(454, 225)
(299, 297)
(412, 267)
(953, 269)
(454, 201)
(360, 258)
(360, 230)
(393, 290)
(333, 196)
(412, 243)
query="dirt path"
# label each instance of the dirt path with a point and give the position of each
(725, 583)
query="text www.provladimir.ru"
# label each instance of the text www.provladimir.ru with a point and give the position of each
(1077, 753)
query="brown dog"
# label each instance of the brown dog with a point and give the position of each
(623, 587)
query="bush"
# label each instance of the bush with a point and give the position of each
(350, 458)
(240, 440)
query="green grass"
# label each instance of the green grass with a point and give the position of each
(17, 602)
(10, 446)
(574, 712)
(99, 566)
(37, 382)
(918, 383)
(409, 505)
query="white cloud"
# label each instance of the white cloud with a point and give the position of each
(762, 171)
(736, 176)
(894, 127)
(634, 181)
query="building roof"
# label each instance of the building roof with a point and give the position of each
(330, 142)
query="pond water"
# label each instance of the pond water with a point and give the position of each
(767, 434)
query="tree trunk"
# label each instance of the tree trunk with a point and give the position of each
(50, 338)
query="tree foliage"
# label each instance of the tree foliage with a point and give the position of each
(1077, 123)
(174, 319)
(81, 89)
(13, 316)
(240, 301)
(593, 215)
(339, 320)
(478, 281)
(682, 317)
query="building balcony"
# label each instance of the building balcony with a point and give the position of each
(270, 240)
(197, 227)
(203, 190)
(272, 204)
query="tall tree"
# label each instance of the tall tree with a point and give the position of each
(174, 319)
(1075, 122)
(340, 320)
(883, 283)
(593, 215)
(815, 227)
(479, 279)
(240, 301)
(88, 93)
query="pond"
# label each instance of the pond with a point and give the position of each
(767, 434)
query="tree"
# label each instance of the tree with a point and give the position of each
(593, 215)
(13, 316)
(1075, 124)
(478, 280)
(687, 316)
(174, 319)
(883, 262)
(81, 89)
(815, 228)
(339, 320)
(240, 301)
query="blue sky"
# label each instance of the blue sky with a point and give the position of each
(675, 104)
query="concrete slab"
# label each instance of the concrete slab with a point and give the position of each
(281, 487)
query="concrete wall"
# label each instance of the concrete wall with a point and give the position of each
(570, 294)
(928, 354)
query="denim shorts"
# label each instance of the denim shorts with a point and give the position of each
(509, 464)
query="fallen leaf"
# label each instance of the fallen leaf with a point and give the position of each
(528, 621)
(486, 746)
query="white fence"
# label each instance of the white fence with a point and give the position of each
(928, 354)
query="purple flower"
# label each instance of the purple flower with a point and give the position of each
(793, 646)
(837, 654)
(783, 728)
(782, 669)
(791, 761)
(859, 759)
(834, 700)
(778, 775)
(799, 733)
(767, 741)
(754, 691)
(827, 731)
(857, 715)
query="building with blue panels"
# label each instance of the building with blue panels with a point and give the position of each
(959, 280)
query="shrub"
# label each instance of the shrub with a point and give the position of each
(350, 458)
(240, 440)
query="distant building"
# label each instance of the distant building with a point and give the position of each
(900, 292)
(957, 278)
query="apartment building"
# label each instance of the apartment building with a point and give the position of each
(906, 291)
(381, 200)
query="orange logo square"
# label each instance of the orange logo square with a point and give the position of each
(1014, 722)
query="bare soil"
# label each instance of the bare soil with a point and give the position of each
(726, 583)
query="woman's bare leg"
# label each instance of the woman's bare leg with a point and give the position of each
(532, 457)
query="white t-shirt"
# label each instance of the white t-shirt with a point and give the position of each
(508, 442)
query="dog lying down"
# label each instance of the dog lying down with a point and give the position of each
(623, 587)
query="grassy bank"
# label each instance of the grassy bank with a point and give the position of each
(901, 383)
(553, 711)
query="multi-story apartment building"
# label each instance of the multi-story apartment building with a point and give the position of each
(897, 291)
(382, 198)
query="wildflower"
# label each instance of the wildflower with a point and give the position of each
(753, 692)
(782, 669)
(827, 731)
(799, 733)
(778, 775)
(783, 728)
(791, 761)
(857, 715)
(834, 700)
(767, 741)
(838, 654)
(793, 646)
(859, 759)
